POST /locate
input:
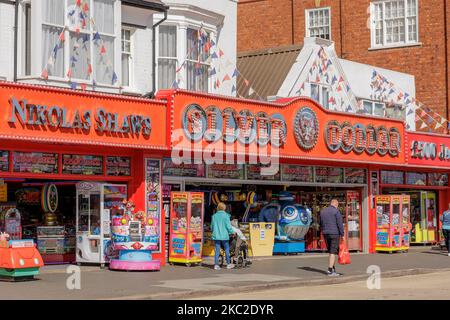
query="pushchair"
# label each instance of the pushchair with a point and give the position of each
(239, 256)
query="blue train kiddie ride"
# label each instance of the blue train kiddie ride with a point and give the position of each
(292, 225)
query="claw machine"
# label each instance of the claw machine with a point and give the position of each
(93, 223)
(393, 225)
(186, 227)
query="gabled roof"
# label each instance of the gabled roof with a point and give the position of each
(265, 70)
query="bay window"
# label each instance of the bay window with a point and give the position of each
(394, 22)
(196, 65)
(167, 56)
(189, 64)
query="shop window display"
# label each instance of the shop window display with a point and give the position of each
(416, 178)
(438, 179)
(392, 177)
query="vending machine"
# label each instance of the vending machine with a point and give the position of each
(186, 227)
(393, 226)
(93, 223)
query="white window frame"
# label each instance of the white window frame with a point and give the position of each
(130, 58)
(177, 55)
(384, 44)
(307, 21)
(182, 24)
(321, 88)
(202, 63)
(372, 102)
(36, 44)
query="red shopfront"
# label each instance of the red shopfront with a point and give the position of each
(321, 154)
(62, 137)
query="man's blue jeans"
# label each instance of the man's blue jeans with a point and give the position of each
(226, 246)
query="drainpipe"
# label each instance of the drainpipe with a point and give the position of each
(292, 21)
(16, 25)
(152, 93)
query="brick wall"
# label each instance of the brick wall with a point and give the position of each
(270, 23)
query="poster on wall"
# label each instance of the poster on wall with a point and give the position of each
(329, 175)
(226, 171)
(4, 161)
(254, 173)
(183, 170)
(153, 197)
(416, 178)
(35, 162)
(118, 166)
(291, 172)
(438, 179)
(355, 175)
(82, 164)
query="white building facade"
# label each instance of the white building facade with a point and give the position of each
(114, 46)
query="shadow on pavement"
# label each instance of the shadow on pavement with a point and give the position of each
(310, 269)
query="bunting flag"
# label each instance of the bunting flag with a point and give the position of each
(114, 78)
(73, 85)
(44, 74)
(233, 89)
(226, 78)
(212, 72)
(251, 91)
(69, 73)
(424, 125)
(221, 54)
(83, 86)
(235, 73)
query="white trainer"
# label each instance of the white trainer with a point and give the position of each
(230, 266)
(217, 267)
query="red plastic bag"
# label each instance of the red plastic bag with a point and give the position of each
(344, 255)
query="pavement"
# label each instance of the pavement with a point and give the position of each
(430, 286)
(181, 282)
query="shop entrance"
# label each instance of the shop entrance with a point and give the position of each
(236, 197)
(424, 213)
(47, 211)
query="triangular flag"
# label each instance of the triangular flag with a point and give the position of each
(235, 73)
(103, 50)
(78, 3)
(424, 125)
(212, 42)
(233, 89)
(410, 111)
(50, 61)
(251, 91)
(114, 78)
(73, 85)
(86, 7)
(438, 125)
(221, 54)
(226, 78)
(69, 73)
(44, 74)
(89, 68)
(246, 82)
(96, 36)
(214, 56)
(423, 113)
(83, 86)
(62, 36)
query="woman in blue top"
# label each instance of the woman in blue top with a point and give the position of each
(445, 218)
(221, 230)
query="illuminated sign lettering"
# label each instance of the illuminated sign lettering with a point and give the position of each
(359, 138)
(56, 117)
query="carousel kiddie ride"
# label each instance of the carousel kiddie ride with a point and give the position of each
(134, 237)
(293, 223)
(19, 259)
